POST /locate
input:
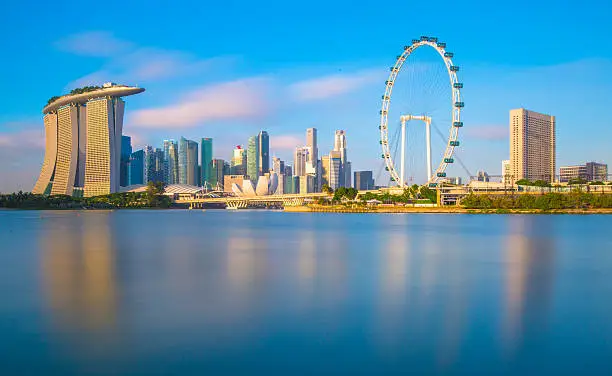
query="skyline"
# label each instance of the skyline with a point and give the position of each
(283, 78)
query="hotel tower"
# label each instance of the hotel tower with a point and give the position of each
(83, 142)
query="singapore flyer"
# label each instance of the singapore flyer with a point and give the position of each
(419, 134)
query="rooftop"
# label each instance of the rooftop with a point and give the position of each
(82, 95)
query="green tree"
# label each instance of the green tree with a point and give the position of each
(327, 189)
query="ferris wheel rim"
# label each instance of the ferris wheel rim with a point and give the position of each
(456, 105)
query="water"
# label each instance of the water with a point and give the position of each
(260, 292)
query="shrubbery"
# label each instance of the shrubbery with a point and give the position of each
(548, 201)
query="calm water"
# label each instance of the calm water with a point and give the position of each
(260, 292)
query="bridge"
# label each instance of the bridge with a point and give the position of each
(235, 202)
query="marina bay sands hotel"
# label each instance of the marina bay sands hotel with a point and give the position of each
(83, 142)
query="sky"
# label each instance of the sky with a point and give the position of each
(229, 69)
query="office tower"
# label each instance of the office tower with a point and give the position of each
(325, 170)
(206, 149)
(253, 159)
(288, 170)
(363, 180)
(311, 143)
(346, 169)
(299, 161)
(532, 145)
(188, 162)
(154, 165)
(83, 141)
(137, 167)
(336, 175)
(306, 183)
(217, 172)
(482, 176)
(238, 162)
(171, 169)
(263, 141)
(340, 146)
(590, 171)
(126, 152)
(278, 165)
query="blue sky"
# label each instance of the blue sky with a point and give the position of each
(227, 69)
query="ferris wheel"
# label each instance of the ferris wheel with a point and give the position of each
(433, 175)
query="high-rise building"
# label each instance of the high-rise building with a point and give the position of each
(288, 170)
(171, 169)
(217, 172)
(126, 152)
(307, 183)
(253, 159)
(83, 141)
(325, 170)
(311, 142)
(278, 166)
(336, 175)
(154, 165)
(346, 167)
(206, 149)
(238, 161)
(340, 146)
(188, 162)
(532, 145)
(363, 180)
(299, 161)
(591, 171)
(264, 152)
(137, 167)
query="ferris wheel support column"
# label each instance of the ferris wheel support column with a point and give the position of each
(403, 152)
(428, 136)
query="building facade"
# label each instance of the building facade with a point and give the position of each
(229, 180)
(188, 162)
(238, 161)
(217, 173)
(126, 152)
(84, 142)
(137, 167)
(171, 169)
(263, 140)
(253, 159)
(336, 175)
(154, 165)
(532, 145)
(590, 171)
(363, 180)
(206, 151)
(300, 156)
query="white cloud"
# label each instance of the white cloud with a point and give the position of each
(242, 99)
(286, 142)
(332, 85)
(93, 43)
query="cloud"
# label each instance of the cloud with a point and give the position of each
(242, 99)
(332, 85)
(286, 142)
(487, 132)
(93, 43)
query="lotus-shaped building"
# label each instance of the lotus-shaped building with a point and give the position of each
(266, 185)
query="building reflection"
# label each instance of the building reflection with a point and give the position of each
(530, 274)
(79, 270)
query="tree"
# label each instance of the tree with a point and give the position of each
(523, 182)
(327, 189)
(576, 181)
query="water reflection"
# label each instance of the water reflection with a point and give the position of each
(530, 274)
(79, 270)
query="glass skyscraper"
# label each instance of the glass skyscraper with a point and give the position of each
(136, 167)
(253, 159)
(126, 152)
(188, 162)
(263, 141)
(171, 170)
(154, 165)
(206, 149)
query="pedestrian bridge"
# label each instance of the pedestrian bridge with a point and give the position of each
(234, 202)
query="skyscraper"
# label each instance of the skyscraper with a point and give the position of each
(171, 175)
(206, 149)
(188, 162)
(153, 165)
(532, 145)
(340, 146)
(238, 161)
(253, 159)
(278, 165)
(325, 170)
(126, 152)
(313, 151)
(336, 176)
(136, 167)
(217, 172)
(299, 161)
(264, 152)
(83, 141)
(363, 180)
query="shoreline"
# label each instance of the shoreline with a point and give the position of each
(440, 210)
